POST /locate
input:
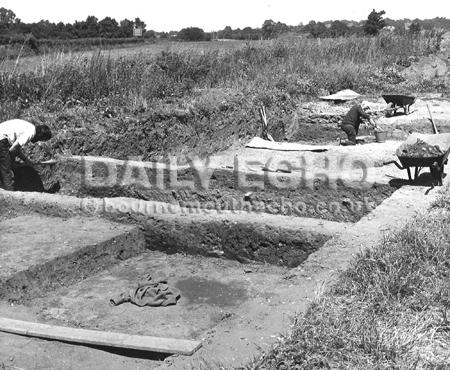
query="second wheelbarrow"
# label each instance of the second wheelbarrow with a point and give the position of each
(399, 101)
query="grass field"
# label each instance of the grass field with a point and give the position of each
(33, 63)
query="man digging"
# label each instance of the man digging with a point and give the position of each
(350, 123)
(14, 135)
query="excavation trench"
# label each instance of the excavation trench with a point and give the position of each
(228, 249)
(270, 224)
(324, 196)
(41, 259)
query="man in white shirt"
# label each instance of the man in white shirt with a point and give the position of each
(14, 135)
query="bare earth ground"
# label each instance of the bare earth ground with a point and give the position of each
(236, 309)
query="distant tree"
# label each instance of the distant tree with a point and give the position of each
(236, 34)
(60, 30)
(43, 29)
(163, 35)
(70, 31)
(268, 29)
(139, 23)
(374, 23)
(316, 29)
(7, 18)
(126, 28)
(307, 28)
(415, 28)
(279, 28)
(108, 28)
(91, 27)
(191, 34)
(249, 33)
(150, 34)
(226, 33)
(339, 29)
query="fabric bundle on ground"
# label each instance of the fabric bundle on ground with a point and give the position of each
(149, 293)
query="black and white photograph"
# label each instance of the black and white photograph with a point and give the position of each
(244, 185)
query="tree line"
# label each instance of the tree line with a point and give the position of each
(12, 29)
(108, 27)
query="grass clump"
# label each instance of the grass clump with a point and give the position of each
(388, 310)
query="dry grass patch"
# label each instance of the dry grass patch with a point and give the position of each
(388, 310)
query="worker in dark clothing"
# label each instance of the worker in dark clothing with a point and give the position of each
(352, 120)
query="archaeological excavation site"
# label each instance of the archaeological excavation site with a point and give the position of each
(252, 198)
(242, 241)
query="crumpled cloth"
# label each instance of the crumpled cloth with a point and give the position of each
(149, 293)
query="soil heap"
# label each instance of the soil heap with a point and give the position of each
(419, 150)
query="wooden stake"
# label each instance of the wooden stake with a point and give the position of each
(100, 338)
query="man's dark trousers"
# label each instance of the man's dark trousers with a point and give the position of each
(350, 131)
(6, 179)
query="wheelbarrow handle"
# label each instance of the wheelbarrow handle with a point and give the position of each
(396, 163)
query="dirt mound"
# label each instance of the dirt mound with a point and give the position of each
(426, 68)
(445, 43)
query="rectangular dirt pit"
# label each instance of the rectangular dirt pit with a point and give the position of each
(278, 240)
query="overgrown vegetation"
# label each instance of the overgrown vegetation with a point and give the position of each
(188, 99)
(389, 310)
(366, 64)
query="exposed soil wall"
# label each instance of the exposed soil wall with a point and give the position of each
(334, 201)
(69, 269)
(244, 242)
(243, 237)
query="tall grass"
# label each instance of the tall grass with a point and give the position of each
(163, 98)
(310, 65)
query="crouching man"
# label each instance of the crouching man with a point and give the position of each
(352, 120)
(14, 135)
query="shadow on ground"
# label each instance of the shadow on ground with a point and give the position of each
(26, 178)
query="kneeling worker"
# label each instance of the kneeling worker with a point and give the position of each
(350, 123)
(14, 135)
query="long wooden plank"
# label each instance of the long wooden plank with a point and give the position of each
(100, 338)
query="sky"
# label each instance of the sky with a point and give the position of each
(213, 15)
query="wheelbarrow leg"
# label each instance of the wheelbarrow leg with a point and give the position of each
(409, 173)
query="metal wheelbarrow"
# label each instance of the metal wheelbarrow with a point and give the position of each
(435, 163)
(399, 101)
